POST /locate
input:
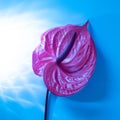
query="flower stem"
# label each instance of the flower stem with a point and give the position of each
(46, 105)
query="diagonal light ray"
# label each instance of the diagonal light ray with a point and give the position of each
(19, 34)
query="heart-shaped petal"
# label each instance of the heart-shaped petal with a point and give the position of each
(76, 61)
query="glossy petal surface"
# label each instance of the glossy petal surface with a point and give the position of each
(74, 71)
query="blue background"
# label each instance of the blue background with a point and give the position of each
(100, 99)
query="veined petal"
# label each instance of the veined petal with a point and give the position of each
(39, 61)
(75, 66)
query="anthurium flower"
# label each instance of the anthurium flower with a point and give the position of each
(65, 58)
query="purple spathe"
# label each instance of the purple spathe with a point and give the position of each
(74, 71)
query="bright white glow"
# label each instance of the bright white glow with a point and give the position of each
(19, 35)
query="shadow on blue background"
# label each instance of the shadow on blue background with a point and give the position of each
(51, 106)
(99, 99)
